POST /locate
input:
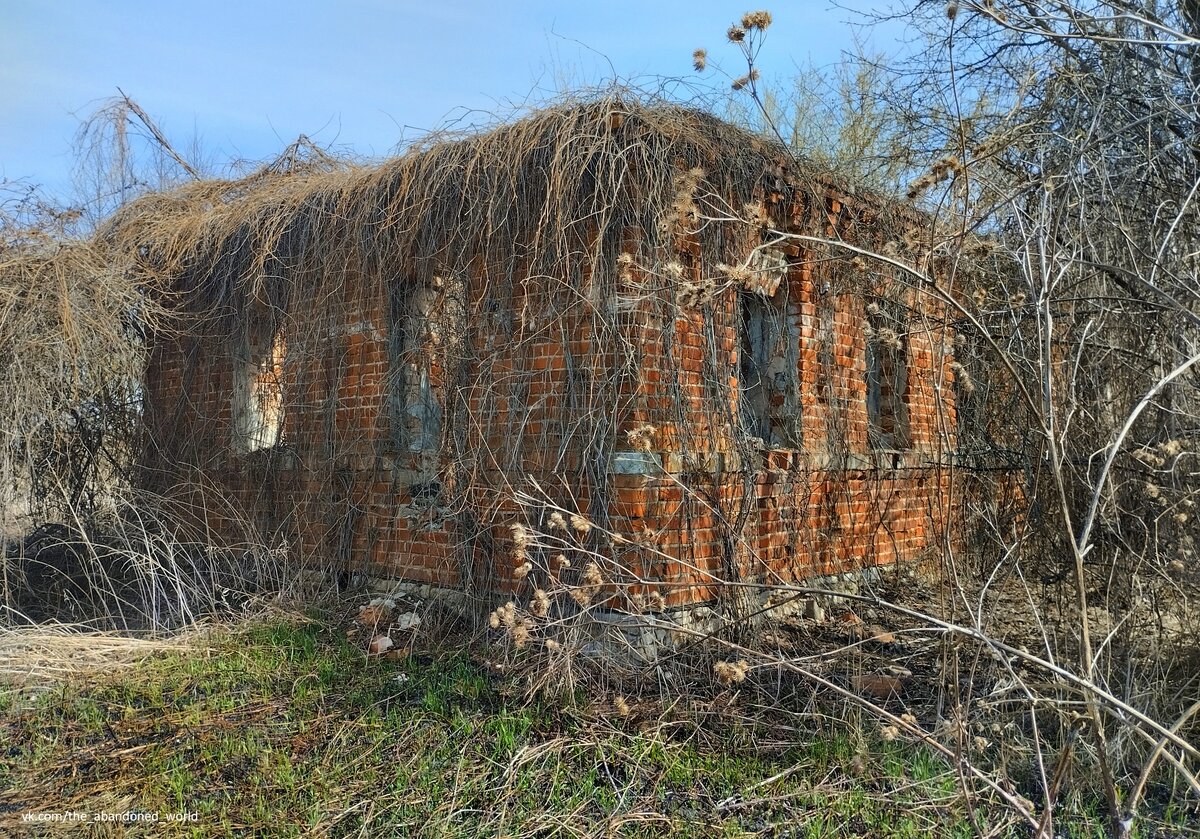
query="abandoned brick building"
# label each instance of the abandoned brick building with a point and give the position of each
(625, 312)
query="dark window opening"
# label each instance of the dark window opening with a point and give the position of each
(768, 371)
(887, 378)
(424, 337)
(758, 340)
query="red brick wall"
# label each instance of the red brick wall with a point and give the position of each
(545, 379)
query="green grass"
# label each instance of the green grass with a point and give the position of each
(285, 729)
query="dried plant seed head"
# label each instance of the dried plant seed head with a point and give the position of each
(890, 733)
(731, 672)
(508, 614)
(1149, 457)
(740, 82)
(641, 438)
(556, 521)
(520, 535)
(700, 60)
(952, 9)
(539, 604)
(621, 706)
(522, 571)
(580, 525)
(736, 34)
(739, 274)
(591, 575)
(756, 20)
(962, 376)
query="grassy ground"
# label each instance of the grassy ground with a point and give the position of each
(284, 728)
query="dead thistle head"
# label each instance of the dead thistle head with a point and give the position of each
(889, 338)
(589, 584)
(684, 210)
(641, 438)
(520, 535)
(591, 575)
(756, 20)
(539, 606)
(963, 377)
(731, 672)
(742, 81)
(505, 616)
(756, 214)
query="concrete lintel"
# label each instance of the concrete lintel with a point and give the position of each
(636, 463)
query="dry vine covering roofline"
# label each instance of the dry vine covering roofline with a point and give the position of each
(526, 192)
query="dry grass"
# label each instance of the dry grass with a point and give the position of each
(284, 727)
(42, 656)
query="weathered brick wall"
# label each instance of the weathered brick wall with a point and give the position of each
(765, 511)
(545, 380)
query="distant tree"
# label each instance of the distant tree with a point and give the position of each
(121, 153)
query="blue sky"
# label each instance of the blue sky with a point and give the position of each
(246, 78)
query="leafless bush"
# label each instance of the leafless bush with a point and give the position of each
(79, 544)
